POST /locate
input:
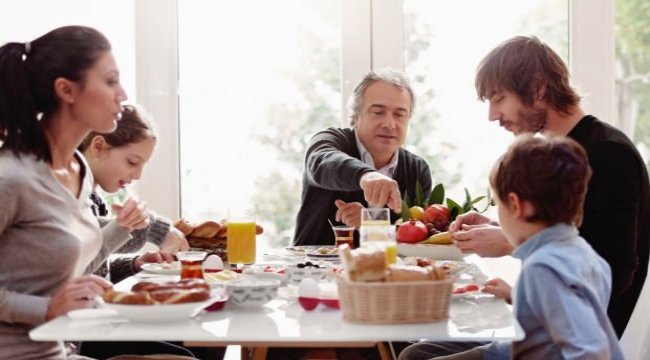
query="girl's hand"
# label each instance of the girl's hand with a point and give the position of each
(132, 215)
(498, 288)
(174, 241)
(152, 257)
(78, 293)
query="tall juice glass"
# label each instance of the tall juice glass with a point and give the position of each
(376, 230)
(241, 236)
(241, 241)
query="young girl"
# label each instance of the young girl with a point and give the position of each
(116, 159)
(54, 90)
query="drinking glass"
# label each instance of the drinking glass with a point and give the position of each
(343, 234)
(191, 264)
(241, 236)
(376, 230)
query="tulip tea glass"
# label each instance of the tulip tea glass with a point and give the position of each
(343, 234)
(191, 264)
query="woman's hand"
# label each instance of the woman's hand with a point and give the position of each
(132, 215)
(174, 241)
(498, 288)
(78, 293)
(152, 257)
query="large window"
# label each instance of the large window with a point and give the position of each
(257, 79)
(443, 44)
(25, 20)
(255, 85)
(633, 71)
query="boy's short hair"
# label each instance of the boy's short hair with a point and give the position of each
(551, 173)
(523, 65)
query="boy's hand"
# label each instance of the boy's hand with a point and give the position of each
(132, 215)
(498, 288)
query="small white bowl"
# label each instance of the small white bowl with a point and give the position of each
(295, 274)
(252, 292)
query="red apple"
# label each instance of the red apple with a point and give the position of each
(438, 215)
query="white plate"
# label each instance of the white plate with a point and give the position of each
(82, 314)
(173, 268)
(325, 257)
(437, 252)
(161, 313)
(262, 271)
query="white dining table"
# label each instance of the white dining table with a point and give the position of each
(282, 321)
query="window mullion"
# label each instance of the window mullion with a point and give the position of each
(592, 55)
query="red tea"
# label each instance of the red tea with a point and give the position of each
(191, 269)
(344, 235)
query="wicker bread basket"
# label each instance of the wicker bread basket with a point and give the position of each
(394, 302)
(211, 246)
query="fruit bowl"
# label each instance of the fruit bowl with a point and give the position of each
(432, 251)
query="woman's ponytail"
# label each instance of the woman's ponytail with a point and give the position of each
(19, 129)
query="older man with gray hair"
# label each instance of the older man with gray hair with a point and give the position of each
(347, 169)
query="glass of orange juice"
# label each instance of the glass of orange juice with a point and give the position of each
(240, 243)
(376, 230)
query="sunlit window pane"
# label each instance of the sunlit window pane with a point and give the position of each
(633, 71)
(25, 20)
(257, 79)
(444, 42)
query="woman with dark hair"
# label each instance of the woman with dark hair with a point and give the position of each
(54, 90)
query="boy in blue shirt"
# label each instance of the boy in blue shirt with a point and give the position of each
(560, 298)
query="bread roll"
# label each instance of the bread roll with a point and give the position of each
(178, 296)
(363, 264)
(403, 273)
(184, 226)
(127, 298)
(207, 229)
(144, 286)
(147, 293)
(437, 273)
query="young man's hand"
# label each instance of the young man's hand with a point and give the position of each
(470, 218)
(485, 240)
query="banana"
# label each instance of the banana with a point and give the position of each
(439, 239)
